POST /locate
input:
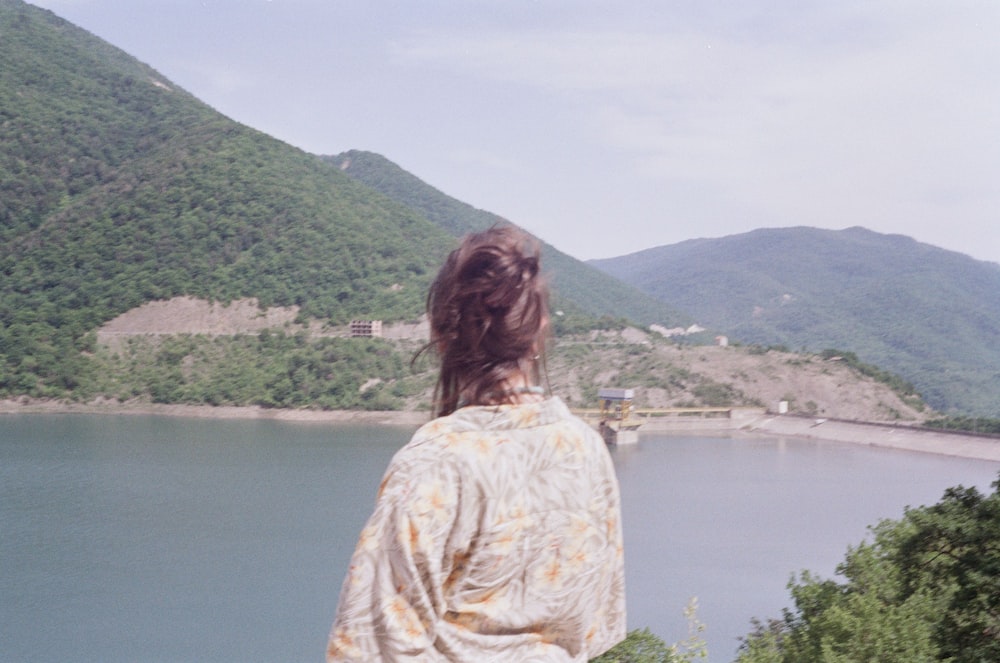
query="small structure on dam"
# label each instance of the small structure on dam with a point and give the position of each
(617, 426)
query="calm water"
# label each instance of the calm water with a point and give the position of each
(161, 539)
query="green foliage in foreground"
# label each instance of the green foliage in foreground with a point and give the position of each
(270, 370)
(926, 588)
(641, 646)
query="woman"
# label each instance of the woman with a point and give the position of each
(496, 534)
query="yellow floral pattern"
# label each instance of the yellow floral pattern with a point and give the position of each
(496, 536)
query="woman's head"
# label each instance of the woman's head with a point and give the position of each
(488, 310)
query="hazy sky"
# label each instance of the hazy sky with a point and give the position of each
(610, 127)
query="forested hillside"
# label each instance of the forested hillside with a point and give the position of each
(118, 188)
(578, 287)
(930, 315)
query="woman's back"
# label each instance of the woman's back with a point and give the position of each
(496, 535)
(502, 523)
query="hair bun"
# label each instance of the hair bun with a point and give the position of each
(487, 309)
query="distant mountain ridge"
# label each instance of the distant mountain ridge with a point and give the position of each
(577, 285)
(930, 315)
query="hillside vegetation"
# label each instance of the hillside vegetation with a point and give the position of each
(185, 351)
(118, 188)
(930, 315)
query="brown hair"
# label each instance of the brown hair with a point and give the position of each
(488, 310)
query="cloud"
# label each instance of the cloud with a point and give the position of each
(568, 60)
(866, 112)
(718, 117)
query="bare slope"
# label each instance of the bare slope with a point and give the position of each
(664, 374)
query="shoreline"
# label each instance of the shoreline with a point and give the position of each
(904, 438)
(382, 417)
(886, 436)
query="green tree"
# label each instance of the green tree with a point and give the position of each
(927, 588)
(639, 646)
(642, 646)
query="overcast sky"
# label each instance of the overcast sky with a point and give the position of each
(610, 127)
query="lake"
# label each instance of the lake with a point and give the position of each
(148, 538)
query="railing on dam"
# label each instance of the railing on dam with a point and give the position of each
(675, 419)
(653, 413)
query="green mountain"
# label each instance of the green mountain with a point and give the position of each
(930, 315)
(119, 188)
(577, 285)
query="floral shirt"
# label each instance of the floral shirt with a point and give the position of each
(496, 536)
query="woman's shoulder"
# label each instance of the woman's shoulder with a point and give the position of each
(435, 441)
